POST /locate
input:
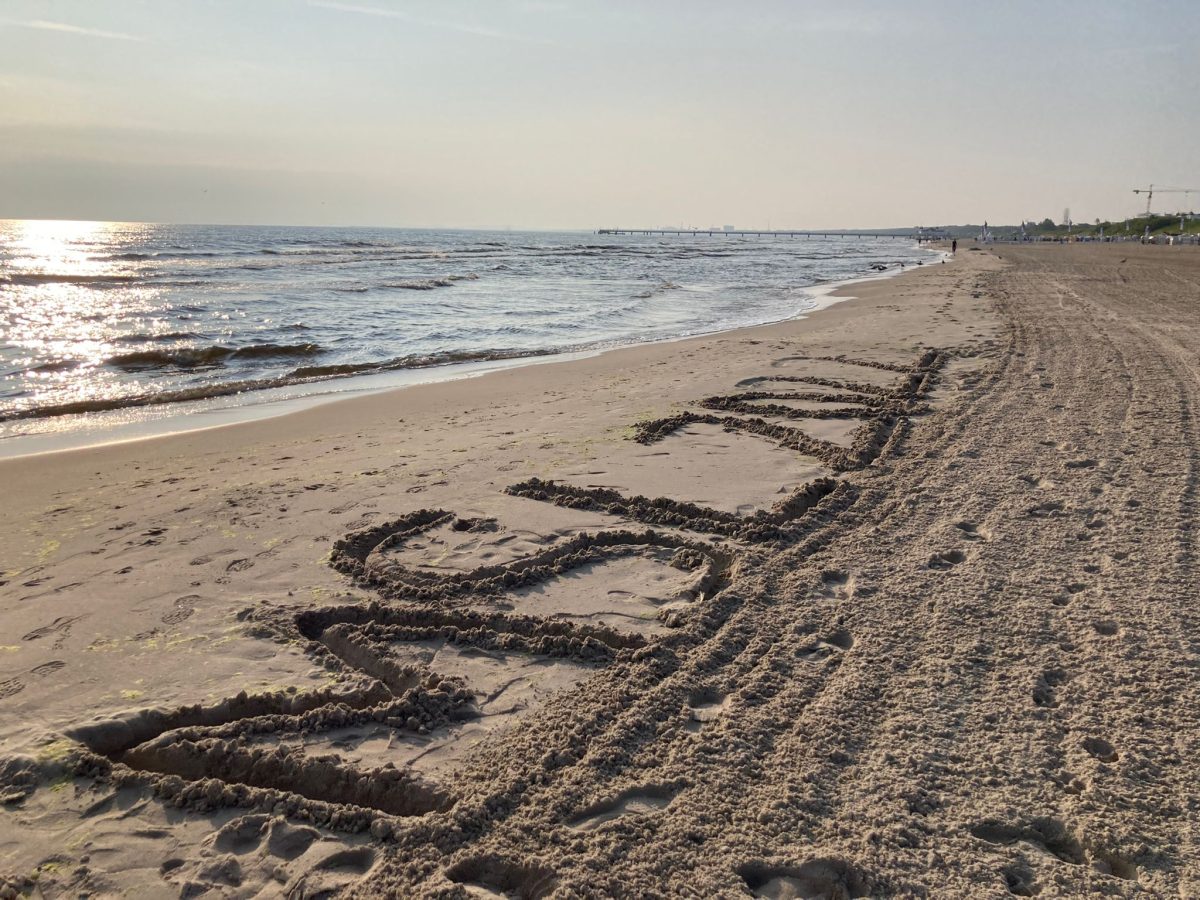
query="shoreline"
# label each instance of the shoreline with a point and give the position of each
(167, 420)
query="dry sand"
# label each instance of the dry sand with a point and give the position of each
(897, 600)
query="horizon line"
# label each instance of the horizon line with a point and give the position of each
(523, 228)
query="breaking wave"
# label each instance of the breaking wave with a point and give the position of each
(414, 284)
(197, 357)
(302, 375)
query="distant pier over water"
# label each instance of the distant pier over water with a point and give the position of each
(908, 235)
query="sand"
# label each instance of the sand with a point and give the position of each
(895, 600)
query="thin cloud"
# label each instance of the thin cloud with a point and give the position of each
(818, 22)
(383, 12)
(363, 10)
(64, 28)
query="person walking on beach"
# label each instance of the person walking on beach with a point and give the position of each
(954, 246)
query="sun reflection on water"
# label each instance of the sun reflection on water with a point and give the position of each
(54, 324)
(54, 247)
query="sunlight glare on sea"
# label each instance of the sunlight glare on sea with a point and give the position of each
(60, 322)
(37, 245)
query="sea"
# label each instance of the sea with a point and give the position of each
(122, 329)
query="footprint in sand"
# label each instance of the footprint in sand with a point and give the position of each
(837, 584)
(1108, 862)
(209, 557)
(1036, 481)
(1070, 590)
(1046, 508)
(492, 877)
(255, 850)
(636, 801)
(183, 609)
(972, 532)
(1049, 835)
(47, 668)
(288, 841)
(1100, 749)
(1021, 880)
(830, 646)
(1044, 689)
(332, 874)
(60, 627)
(241, 835)
(824, 878)
(946, 559)
(704, 707)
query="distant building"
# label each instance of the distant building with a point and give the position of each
(728, 228)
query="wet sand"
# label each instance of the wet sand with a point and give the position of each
(893, 600)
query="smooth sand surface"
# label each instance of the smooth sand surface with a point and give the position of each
(895, 600)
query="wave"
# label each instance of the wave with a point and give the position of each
(414, 284)
(159, 254)
(41, 278)
(303, 375)
(201, 392)
(337, 257)
(424, 284)
(57, 365)
(203, 357)
(660, 288)
(148, 338)
(413, 361)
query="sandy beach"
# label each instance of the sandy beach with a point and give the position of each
(897, 599)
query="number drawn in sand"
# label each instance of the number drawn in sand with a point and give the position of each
(448, 655)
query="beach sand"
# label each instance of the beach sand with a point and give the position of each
(897, 599)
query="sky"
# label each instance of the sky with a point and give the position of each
(595, 113)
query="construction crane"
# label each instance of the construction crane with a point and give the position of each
(1152, 190)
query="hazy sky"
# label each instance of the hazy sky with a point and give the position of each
(591, 113)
